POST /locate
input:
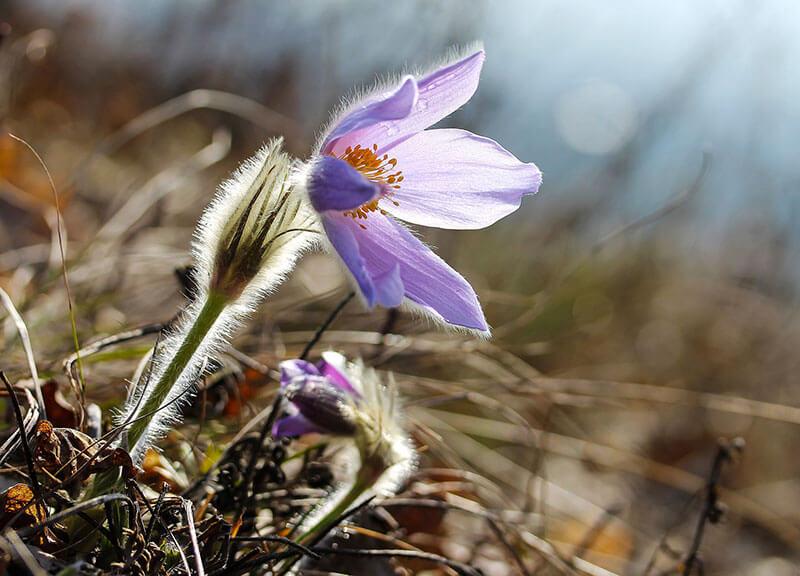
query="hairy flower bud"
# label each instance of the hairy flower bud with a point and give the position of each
(347, 400)
(255, 228)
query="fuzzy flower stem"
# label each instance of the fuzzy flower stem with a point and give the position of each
(212, 308)
(364, 480)
(107, 482)
(359, 487)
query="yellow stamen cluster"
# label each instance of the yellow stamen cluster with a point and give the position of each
(378, 169)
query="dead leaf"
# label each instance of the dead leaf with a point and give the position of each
(157, 470)
(14, 500)
(68, 455)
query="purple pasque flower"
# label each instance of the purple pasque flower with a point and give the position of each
(378, 164)
(321, 399)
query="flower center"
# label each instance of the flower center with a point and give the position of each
(378, 169)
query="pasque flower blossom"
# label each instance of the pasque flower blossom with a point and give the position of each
(377, 163)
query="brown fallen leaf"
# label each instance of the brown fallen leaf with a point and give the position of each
(70, 456)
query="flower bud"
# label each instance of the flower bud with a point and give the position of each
(255, 228)
(346, 399)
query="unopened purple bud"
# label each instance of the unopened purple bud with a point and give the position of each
(322, 404)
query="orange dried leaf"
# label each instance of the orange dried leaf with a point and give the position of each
(18, 498)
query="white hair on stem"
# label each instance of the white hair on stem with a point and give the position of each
(382, 431)
(245, 244)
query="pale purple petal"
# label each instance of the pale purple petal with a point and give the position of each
(391, 106)
(455, 179)
(291, 369)
(342, 236)
(389, 287)
(379, 280)
(294, 425)
(335, 185)
(336, 376)
(427, 280)
(441, 93)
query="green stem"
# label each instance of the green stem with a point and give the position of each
(364, 480)
(327, 522)
(109, 481)
(213, 307)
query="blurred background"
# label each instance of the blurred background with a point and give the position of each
(643, 303)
